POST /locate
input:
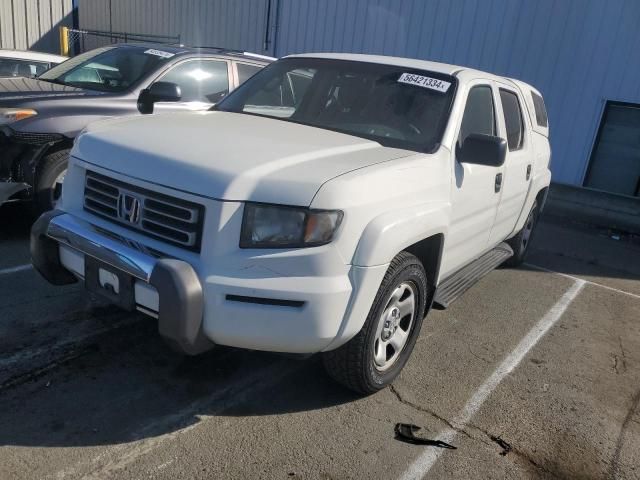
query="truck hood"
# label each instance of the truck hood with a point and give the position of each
(21, 89)
(228, 156)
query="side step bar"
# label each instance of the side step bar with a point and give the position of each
(454, 286)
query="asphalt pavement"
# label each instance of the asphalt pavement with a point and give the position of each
(533, 373)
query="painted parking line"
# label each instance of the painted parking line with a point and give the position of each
(423, 464)
(19, 268)
(596, 284)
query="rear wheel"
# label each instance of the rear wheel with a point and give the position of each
(51, 173)
(520, 243)
(375, 356)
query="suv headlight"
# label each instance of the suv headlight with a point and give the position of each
(11, 115)
(275, 226)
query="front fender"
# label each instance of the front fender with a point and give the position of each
(390, 233)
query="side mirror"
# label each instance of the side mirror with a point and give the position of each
(482, 149)
(158, 92)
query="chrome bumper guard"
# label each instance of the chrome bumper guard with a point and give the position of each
(179, 290)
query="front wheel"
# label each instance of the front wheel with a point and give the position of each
(51, 173)
(375, 356)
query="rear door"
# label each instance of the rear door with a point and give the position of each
(474, 198)
(244, 71)
(518, 166)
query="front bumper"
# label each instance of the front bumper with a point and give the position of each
(217, 301)
(165, 288)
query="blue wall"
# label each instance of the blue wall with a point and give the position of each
(579, 53)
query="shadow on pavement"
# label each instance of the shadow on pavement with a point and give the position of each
(129, 386)
(15, 221)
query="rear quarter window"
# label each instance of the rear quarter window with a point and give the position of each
(540, 109)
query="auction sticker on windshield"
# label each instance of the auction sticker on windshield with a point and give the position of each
(424, 82)
(159, 53)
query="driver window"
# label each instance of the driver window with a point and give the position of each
(200, 80)
(479, 113)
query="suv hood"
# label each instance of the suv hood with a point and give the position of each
(229, 156)
(22, 88)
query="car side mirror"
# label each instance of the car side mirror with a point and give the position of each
(158, 92)
(482, 149)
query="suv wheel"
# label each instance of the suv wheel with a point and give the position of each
(375, 356)
(51, 173)
(520, 243)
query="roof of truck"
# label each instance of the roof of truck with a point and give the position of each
(438, 67)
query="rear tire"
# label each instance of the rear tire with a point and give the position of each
(520, 243)
(372, 359)
(48, 188)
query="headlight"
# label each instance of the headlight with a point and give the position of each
(11, 115)
(272, 226)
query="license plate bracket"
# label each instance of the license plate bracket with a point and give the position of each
(110, 283)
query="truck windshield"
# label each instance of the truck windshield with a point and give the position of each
(108, 69)
(395, 106)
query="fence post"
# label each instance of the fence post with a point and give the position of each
(64, 41)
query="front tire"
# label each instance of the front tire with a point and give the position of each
(372, 359)
(51, 173)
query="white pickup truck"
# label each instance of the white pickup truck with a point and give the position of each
(324, 206)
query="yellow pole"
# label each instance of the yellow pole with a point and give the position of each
(64, 41)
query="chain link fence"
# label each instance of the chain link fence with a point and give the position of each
(79, 41)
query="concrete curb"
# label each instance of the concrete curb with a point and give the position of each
(594, 207)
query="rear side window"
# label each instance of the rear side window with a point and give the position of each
(541, 111)
(479, 113)
(512, 119)
(246, 71)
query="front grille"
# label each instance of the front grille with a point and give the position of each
(36, 138)
(170, 219)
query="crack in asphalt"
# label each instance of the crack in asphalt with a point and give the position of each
(504, 445)
(442, 419)
(615, 462)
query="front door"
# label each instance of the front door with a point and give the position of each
(475, 196)
(203, 83)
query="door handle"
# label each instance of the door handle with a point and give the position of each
(528, 171)
(498, 185)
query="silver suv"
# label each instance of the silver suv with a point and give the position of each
(40, 117)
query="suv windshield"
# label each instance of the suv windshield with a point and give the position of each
(394, 106)
(109, 69)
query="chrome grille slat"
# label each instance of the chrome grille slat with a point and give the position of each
(192, 214)
(169, 227)
(101, 202)
(101, 192)
(154, 214)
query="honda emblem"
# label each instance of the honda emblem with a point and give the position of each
(129, 208)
